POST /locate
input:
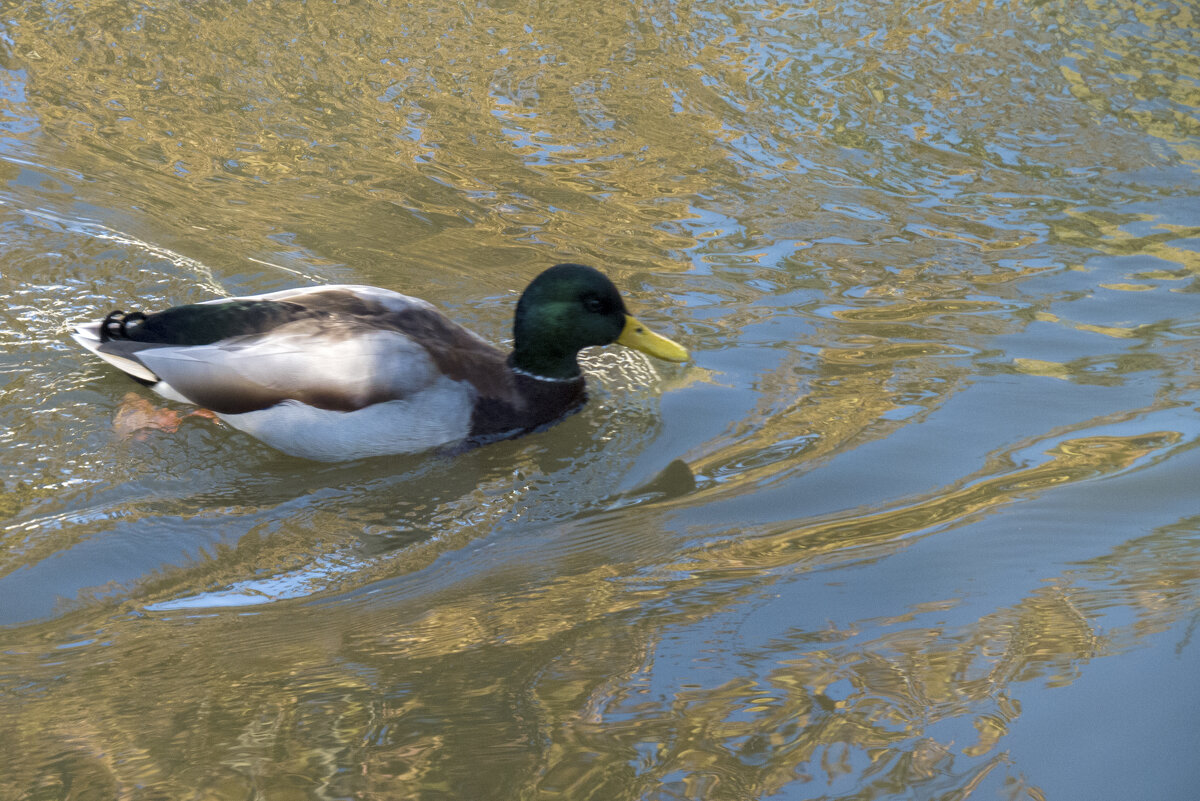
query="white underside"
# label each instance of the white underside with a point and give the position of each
(436, 416)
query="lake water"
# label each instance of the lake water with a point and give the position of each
(920, 520)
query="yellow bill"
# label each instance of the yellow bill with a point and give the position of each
(639, 337)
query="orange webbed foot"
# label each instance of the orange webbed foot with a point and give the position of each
(136, 417)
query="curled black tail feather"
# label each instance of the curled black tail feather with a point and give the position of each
(114, 324)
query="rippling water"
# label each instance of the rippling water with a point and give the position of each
(920, 519)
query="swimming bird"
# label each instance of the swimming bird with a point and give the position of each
(343, 372)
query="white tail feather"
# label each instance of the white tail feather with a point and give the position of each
(88, 335)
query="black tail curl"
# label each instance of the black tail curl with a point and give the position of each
(114, 325)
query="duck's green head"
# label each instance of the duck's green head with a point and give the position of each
(570, 307)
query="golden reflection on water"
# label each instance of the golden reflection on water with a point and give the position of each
(1152, 86)
(750, 736)
(383, 115)
(909, 247)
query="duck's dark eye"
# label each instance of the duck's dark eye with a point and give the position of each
(593, 304)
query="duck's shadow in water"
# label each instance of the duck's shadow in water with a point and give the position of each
(567, 471)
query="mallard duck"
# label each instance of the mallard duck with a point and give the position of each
(343, 372)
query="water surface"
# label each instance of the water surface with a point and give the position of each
(919, 520)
